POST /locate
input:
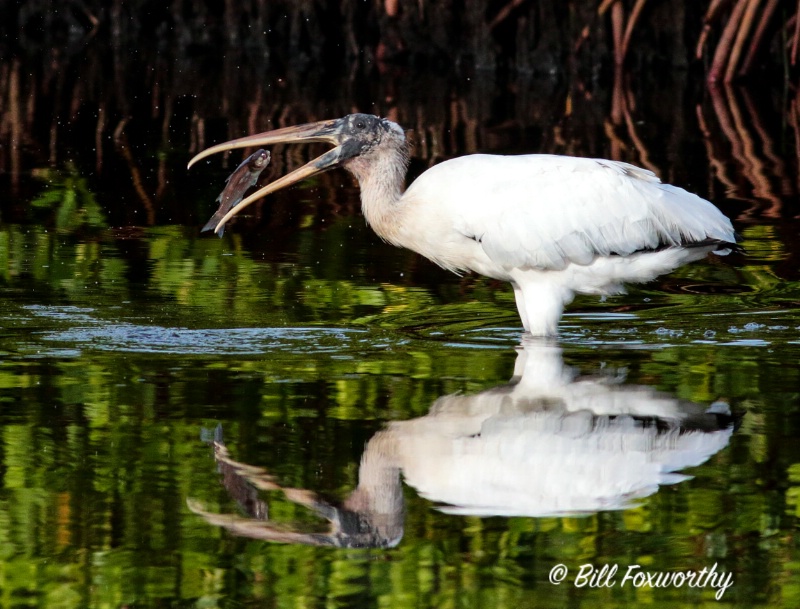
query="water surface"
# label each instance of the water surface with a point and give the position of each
(125, 333)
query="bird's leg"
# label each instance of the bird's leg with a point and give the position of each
(540, 305)
(519, 297)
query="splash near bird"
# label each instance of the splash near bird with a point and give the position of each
(243, 177)
(552, 226)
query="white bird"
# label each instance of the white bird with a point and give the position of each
(548, 443)
(553, 226)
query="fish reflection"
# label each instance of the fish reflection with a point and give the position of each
(244, 177)
(548, 443)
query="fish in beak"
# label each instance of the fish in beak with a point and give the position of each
(331, 131)
(240, 181)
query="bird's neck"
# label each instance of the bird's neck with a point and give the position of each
(382, 182)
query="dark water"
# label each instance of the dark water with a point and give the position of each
(660, 433)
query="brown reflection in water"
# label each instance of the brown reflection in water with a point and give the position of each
(124, 149)
(743, 153)
(449, 121)
(11, 123)
(122, 108)
(623, 104)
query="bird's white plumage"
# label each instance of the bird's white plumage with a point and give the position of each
(553, 443)
(546, 211)
(555, 226)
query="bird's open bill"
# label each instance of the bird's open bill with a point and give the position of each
(323, 131)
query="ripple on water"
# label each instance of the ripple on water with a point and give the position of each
(730, 329)
(80, 330)
(70, 330)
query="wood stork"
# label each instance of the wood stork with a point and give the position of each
(552, 226)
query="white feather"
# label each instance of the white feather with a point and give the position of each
(545, 211)
(555, 226)
(552, 443)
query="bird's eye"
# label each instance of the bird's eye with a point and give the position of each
(361, 125)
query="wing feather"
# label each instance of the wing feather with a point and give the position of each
(545, 211)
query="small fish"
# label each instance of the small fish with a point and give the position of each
(245, 176)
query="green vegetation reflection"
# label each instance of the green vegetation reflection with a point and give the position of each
(312, 355)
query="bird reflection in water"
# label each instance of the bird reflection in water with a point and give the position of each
(547, 443)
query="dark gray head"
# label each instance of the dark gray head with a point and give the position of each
(360, 135)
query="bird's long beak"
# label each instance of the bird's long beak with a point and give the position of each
(323, 131)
